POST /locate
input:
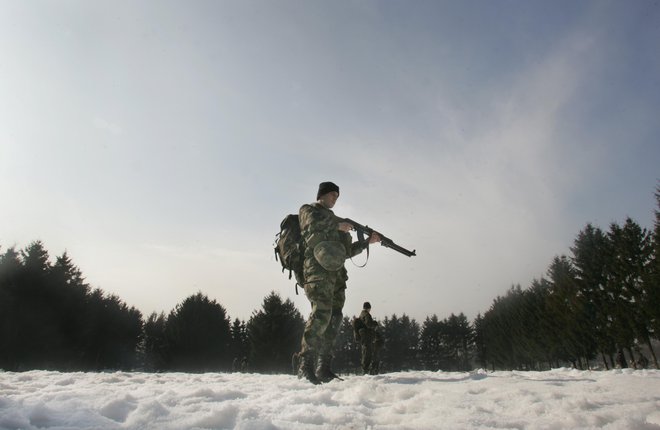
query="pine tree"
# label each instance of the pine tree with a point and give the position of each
(198, 335)
(458, 342)
(591, 254)
(274, 332)
(155, 344)
(11, 269)
(240, 343)
(38, 340)
(52, 321)
(401, 340)
(630, 264)
(429, 344)
(480, 349)
(568, 310)
(347, 350)
(652, 284)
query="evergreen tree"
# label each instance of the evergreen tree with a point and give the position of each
(591, 254)
(38, 340)
(505, 333)
(240, 343)
(430, 343)
(568, 310)
(458, 341)
(155, 344)
(112, 333)
(274, 332)
(652, 282)
(11, 269)
(50, 320)
(198, 335)
(401, 338)
(540, 329)
(631, 264)
(480, 349)
(71, 294)
(347, 350)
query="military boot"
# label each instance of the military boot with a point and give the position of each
(306, 367)
(324, 370)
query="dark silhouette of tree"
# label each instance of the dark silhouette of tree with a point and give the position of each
(567, 308)
(448, 344)
(499, 322)
(240, 343)
(11, 307)
(632, 250)
(38, 339)
(111, 333)
(591, 253)
(274, 332)
(516, 332)
(480, 349)
(155, 346)
(347, 349)
(539, 327)
(652, 280)
(458, 342)
(430, 343)
(401, 336)
(50, 319)
(198, 336)
(603, 300)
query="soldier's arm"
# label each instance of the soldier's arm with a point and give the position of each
(352, 248)
(369, 321)
(313, 225)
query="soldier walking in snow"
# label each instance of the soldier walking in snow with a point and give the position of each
(370, 339)
(327, 245)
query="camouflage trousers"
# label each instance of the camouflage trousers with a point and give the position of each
(327, 297)
(371, 342)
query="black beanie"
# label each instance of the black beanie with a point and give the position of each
(366, 305)
(325, 188)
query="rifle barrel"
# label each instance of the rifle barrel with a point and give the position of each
(384, 241)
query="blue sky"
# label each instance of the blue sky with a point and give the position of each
(161, 143)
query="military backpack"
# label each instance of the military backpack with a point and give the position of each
(290, 248)
(358, 325)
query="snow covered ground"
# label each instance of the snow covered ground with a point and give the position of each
(557, 399)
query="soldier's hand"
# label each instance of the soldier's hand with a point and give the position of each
(374, 238)
(345, 227)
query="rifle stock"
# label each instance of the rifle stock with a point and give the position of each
(384, 241)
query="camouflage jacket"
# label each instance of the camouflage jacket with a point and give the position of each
(319, 224)
(368, 321)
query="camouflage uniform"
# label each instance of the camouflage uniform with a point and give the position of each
(324, 288)
(371, 342)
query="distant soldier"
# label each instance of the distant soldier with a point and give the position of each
(370, 339)
(621, 360)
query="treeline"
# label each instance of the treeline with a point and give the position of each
(50, 318)
(600, 303)
(600, 306)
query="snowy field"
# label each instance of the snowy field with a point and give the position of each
(558, 399)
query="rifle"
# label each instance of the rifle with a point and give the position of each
(384, 241)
